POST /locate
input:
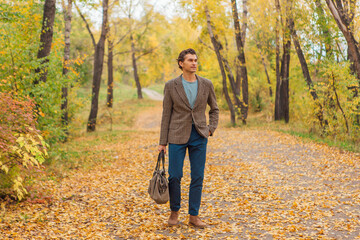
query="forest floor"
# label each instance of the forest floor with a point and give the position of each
(259, 184)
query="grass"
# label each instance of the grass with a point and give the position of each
(85, 151)
(159, 87)
(116, 124)
(125, 107)
(347, 145)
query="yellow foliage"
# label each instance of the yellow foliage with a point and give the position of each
(257, 183)
(30, 151)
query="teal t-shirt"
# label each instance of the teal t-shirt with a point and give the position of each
(190, 90)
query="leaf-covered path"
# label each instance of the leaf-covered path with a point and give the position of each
(259, 184)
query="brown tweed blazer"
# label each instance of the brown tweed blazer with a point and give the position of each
(177, 116)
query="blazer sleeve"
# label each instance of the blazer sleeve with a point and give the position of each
(166, 115)
(214, 110)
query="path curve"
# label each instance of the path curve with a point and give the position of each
(153, 94)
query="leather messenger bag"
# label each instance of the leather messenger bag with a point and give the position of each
(159, 187)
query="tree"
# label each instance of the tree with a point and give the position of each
(135, 70)
(306, 72)
(64, 105)
(282, 86)
(46, 37)
(240, 40)
(135, 36)
(244, 22)
(98, 67)
(217, 48)
(110, 88)
(277, 67)
(113, 41)
(110, 68)
(343, 15)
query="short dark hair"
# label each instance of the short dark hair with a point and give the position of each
(182, 55)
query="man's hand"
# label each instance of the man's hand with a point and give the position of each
(162, 147)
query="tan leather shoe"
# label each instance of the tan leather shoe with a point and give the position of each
(173, 219)
(196, 222)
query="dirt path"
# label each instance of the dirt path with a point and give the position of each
(153, 94)
(258, 185)
(150, 119)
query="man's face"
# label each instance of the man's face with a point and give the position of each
(189, 64)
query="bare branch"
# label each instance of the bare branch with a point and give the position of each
(87, 25)
(338, 103)
(278, 9)
(201, 41)
(118, 53)
(146, 52)
(122, 38)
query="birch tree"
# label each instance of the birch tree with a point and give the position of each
(67, 9)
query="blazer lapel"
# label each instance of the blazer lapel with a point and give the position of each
(199, 91)
(180, 89)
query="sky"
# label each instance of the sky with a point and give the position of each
(169, 8)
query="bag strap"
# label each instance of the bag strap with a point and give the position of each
(162, 158)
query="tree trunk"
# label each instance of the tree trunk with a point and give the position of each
(238, 103)
(349, 14)
(282, 85)
(64, 97)
(277, 114)
(283, 107)
(238, 77)
(284, 76)
(230, 75)
(343, 20)
(223, 74)
(136, 76)
(302, 60)
(46, 38)
(241, 57)
(244, 22)
(110, 88)
(338, 103)
(306, 73)
(343, 23)
(238, 43)
(98, 67)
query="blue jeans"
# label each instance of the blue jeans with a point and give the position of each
(197, 154)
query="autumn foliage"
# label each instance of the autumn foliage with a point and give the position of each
(21, 145)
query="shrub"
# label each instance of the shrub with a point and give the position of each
(21, 146)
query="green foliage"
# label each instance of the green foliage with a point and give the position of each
(159, 88)
(20, 26)
(81, 46)
(341, 106)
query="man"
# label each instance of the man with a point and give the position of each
(183, 126)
